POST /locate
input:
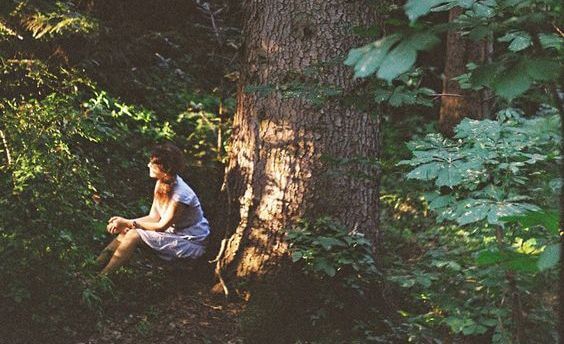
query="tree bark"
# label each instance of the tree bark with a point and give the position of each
(460, 51)
(290, 159)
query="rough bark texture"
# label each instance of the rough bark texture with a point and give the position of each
(287, 155)
(457, 103)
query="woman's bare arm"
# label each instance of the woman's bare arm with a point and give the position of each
(174, 211)
(117, 223)
(153, 214)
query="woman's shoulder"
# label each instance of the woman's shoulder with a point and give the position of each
(183, 192)
(181, 185)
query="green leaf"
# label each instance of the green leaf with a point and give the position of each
(488, 257)
(400, 96)
(398, 61)
(328, 242)
(372, 58)
(484, 75)
(509, 260)
(356, 54)
(323, 266)
(381, 95)
(521, 262)
(547, 219)
(474, 329)
(473, 214)
(417, 8)
(424, 172)
(512, 83)
(296, 255)
(449, 175)
(549, 257)
(403, 56)
(423, 40)
(483, 10)
(479, 32)
(551, 40)
(424, 281)
(441, 202)
(520, 43)
(542, 69)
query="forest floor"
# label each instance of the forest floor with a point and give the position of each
(186, 312)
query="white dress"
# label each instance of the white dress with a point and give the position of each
(187, 237)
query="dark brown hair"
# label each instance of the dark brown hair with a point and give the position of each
(170, 160)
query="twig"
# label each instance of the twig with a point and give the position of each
(205, 7)
(436, 95)
(217, 261)
(6, 149)
(558, 30)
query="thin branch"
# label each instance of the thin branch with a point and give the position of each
(448, 95)
(6, 148)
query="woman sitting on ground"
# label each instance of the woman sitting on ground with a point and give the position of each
(175, 227)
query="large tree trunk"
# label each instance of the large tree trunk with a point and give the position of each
(289, 158)
(457, 103)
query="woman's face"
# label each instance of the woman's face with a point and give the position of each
(155, 171)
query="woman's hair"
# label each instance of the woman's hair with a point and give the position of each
(170, 160)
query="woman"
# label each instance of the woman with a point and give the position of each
(175, 227)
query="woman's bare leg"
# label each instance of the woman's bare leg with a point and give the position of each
(123, 252)
(109, 250)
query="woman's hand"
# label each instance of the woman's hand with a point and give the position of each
(118, 224)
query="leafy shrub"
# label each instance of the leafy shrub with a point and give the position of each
(342, 272)
(484, 273)
(492, 168)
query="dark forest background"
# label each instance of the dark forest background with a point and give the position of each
(466, 251)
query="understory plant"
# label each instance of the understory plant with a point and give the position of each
(487, 269)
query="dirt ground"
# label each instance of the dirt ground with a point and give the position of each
(190, 313)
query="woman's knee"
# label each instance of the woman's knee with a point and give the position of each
(131, 237)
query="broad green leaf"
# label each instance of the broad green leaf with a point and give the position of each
(551, 40)
(400, 96)
(423, 280)
(547, 219)
(371, 60)
(465, 3)
(486, 74)
(549, 257)
(441, 202)
(474, 329)
(483, 10)
(542, 69)
(423, 40)
(328, 242)
(424, 172)
(519, 40)
(509, 260)
(520, 43)
(521, 262)
(512, 83)
(488, 257)
(398, 61)
(296, 255)
(417, 8)
(323, 266)
(403, 56)
(457, 324)
(381, 95)
(504, 208)
(479, 32)
(473, 214)
(449, 175)
(356, 54)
